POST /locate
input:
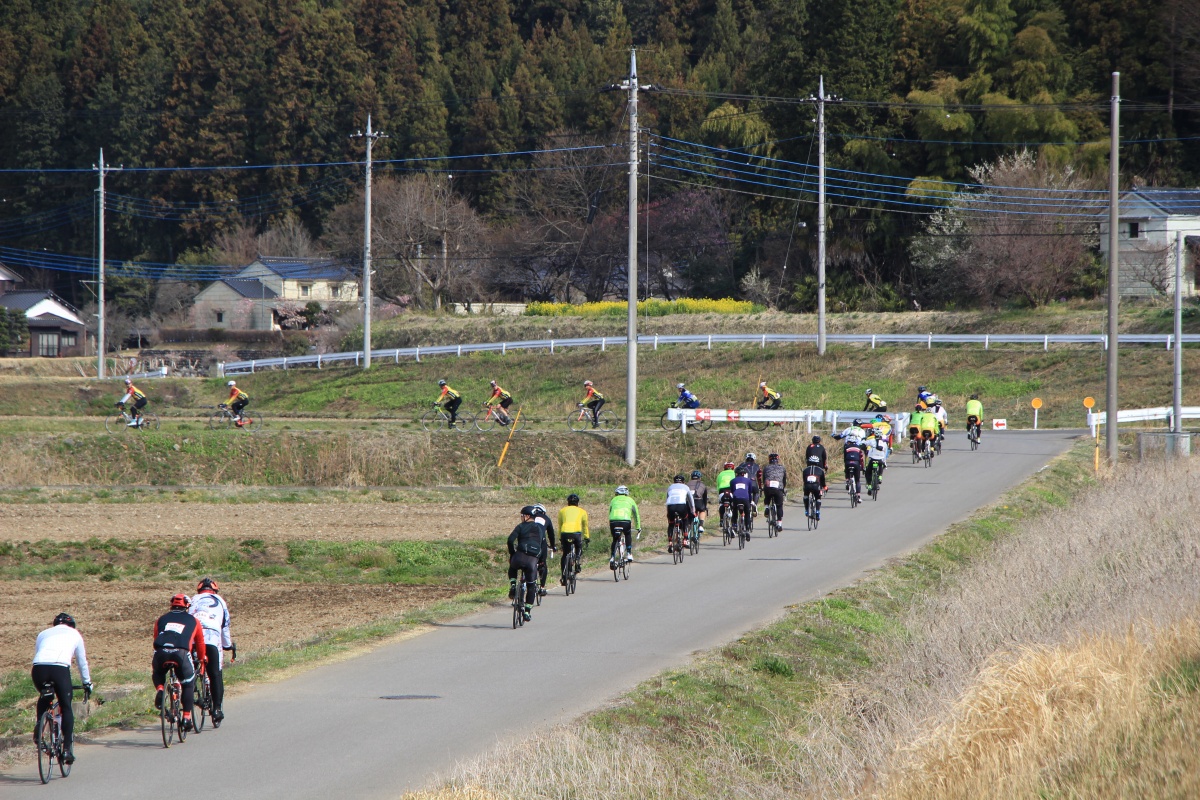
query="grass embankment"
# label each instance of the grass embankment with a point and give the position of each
(1046, 647)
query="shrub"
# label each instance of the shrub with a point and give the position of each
(646, 308)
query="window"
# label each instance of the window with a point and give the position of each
(335, 290)
(48, 345)
(305, 289)
(1137, 230)
(68, 339)
(220, 316)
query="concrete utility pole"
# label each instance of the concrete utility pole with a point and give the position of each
(370, 136)
(821, 217)
(103, 169)
(1111, 428)
(1177, 394)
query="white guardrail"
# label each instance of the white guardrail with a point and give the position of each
(809, 416)
(1162, 414)
(761, 339)
(161, 372)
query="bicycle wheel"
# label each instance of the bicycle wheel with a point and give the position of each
(115, 423)
(674, 546)
(202, 702)
(571, 576)
(45, 746)
(485, 422)
(608, 421)
(148, 422)
(435, 420)
(254, 424)
(667, 424)
(701, 424)
(164, 714)
(624, 570)
(694, 539)
(579, 421)
(177, 710)
(518, 605)
(770, 520)
(875, 484)
(219, 421)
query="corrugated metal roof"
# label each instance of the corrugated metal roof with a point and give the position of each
(1174, 202)
(313, 269)
(250, 287)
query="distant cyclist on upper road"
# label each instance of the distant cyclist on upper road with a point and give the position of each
(526, 544)
(770, 398)
(680, 501)
(774, 481)
(875, 402)
(177, 635)
(236, 402)
(211, 611)
(503, 399)
(924, 396)
(975, 415)
(52, 656)
(572, 530)
(623, 517)
(139, 402)
(686, 398)
(700, 496)
(449, 400)
(592, 400)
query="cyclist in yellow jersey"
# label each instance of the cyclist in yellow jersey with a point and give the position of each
(237, 401)
(503, 399)
(449, 400)
(770, 398)
(573, 530)
(975, 414)
(592, 400)
(139, 402)
(875, 402)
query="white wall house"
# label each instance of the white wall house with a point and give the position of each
(1149, 221)
(248, 300)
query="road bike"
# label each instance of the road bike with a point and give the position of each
(694, 537)
(873, 477)
(675, 544)
(203, 698)
(438, 419)
(852, 489)
(50, 744)
(581, 420)
(726, 522)
(674, 425)
(491, 417)
(170, 715)
(973, 432)
(927, 452)
(812, 509)
(146, 421)
(518, 603)
(740, 527)
(224, 418)
(570, 569)
(620, 563)
(937, 443)
(773, 525)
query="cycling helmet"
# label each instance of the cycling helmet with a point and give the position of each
(974, 397)
(493, 383)
(922, 388)
(179, 601)
(697, 474)
(207, 583)
(937, 401)
(528, 511)
(679, 386)
(587, 383)
(750, 457)
(814, 459)
(679, 478)
(742, 470)
(64, 619)
(572, 499)
(816, 440)
(232, 383)
(858, 423)
(762, 385)
(773, 458)
(539, 508)
(129, 381)
(441, 383)
(869, 392)
(622, 490)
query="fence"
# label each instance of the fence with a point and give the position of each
(761, 339)
(1162, 414)
(808, 416)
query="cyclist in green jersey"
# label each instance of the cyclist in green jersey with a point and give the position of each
(724, 478)
(623, 516)
(975, 414)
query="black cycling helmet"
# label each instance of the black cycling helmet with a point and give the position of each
(572, 499)
(741, 470)
(773, 458)
(974, 397)
(64, 619)
(528, 511)
(679, 478)
(858, 423)
(816, 440)
(697, 474)
(922, 388)
(207, 583)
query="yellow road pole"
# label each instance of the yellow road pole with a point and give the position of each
(508, 441)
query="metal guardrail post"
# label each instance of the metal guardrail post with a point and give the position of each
(418, 351)
(656, 341)
(551, 347)
(710, 341)
(930, 346)
(252, 366)
(603, 342)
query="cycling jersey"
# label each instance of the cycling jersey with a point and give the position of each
(573, 519)
(774, 476)
(592, 394)
(769, 394)
(852, 456)
(852, 433)
(687, 400)
(133, 393)
(819, 451)
(56, 646)
(622, 509)
(875, 403)
(753, 472)
(237, 394)
(212, 613)
(179, 630)
(699, 494)
(742, 488)
(547, 526)
(926, 398)
(448, 394)
(499, 394)
(814, 479)
(940, 413)
(924, 421)
(724, 478)
(528, 538)
(877, 450)
(680, 494)
(975, 409)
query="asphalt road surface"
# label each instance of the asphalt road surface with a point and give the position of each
(392, 720)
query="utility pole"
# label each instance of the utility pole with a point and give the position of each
(1177, 393)
(821, 217)
(103, 169)
(1111, 430)
(370, 136)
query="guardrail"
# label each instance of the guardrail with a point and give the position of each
(809, 416)
(1164, 414)
(761, 339)
(161, 372)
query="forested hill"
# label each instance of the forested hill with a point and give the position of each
(928, 89)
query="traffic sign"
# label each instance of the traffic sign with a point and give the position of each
(703, 414)
(999, 424)
(733, 415)
(1089, 402)
(1037, 402)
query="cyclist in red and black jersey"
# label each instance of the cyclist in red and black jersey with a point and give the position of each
(178, 635)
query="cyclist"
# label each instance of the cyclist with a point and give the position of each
(212, 612)
(940, 412)
(852, 460)
(724, 478)
(874, 402)
(686, 398)
(882, 426)
(814, 484)
(236, 402)
(503, 399)
(56, 647)
(754, 473)
(572, 531)
(876, 451)
(922, 424)
(774, 478)
(770, 399)
(700, 496)
(741, 489)
(176, 634)
(975, 415)
(924, 397)
(139, 402)
(449, 400)
(852, 433)
(592, 400)
(526, 544)
(680, 502)
(623, 516)
(818, 450)
(542, 517)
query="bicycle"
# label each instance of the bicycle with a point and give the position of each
(740, 527)
(774, 528)
(927, 453)
(518, 604)
(812, 512)
(203, 698)
(224, 418)
(726, 522)
(170, 715)
(581, 421)
(438, 419)
(570, 569)
(491, 417)
(973, 432)
(146, 421)
(873, 479)
(50, 744)
(675, 539)
(694, 538)
(852, 489)
(620, 564)
(671, 425)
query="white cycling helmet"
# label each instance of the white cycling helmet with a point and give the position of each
(679, 386)
(762, 385)
(129, 381)
(622, 489)
(232, 383)
(587, 383)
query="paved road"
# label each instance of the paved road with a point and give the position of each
(475, 681)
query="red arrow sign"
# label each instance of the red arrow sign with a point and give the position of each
(703, 414)
(733, 415)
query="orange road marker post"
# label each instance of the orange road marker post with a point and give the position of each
(1088, 403)
(1036, 403)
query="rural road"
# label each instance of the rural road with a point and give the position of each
(474, 682)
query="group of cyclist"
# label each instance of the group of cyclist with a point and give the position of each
(500, 399)
(236, 402)
(193, 634)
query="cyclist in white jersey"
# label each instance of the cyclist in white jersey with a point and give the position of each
(211, 611)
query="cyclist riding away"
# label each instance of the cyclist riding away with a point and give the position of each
(211, 611)
(56, 647)
(177, 636)
(139, 402)
(874, 402)
(724, 493)
(817, 450)
(877, 452)
(686, 398)
(680, 502)
(542, 517)
(592, 400)
(924, 397)
(814, 484)
(699, 496)
(503, 399)
(236, 402)
(922, 424)
(526, 545)
(741, 490)
(882, 426)
(940, 412)
(623, 517)
(774, 478)
(754, 473)
(852, 433)
(770, 398)
(975, 415)
(572, 530)
(852, 460)
(449, 400)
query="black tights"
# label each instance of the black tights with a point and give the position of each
(60, 677)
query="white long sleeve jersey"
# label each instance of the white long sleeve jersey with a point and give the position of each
(877, 449)
(940, 413)
(60, 644)
(212, 613)
(681, 494)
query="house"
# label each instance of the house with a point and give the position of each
(1149, 220)
(55, 328)
(250, 299)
